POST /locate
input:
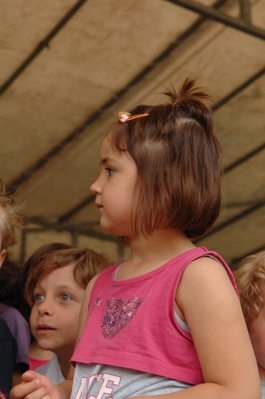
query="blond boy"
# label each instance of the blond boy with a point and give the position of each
(10, 220)
(250, 278)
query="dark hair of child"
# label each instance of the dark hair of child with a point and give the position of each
(178, 160)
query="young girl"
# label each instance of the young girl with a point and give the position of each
(166, 323)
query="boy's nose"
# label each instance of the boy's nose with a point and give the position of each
(44, 309)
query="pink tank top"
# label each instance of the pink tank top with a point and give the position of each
(131, 323)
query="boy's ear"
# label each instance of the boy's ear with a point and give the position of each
(2, 257)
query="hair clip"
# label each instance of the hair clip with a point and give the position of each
(126, 116)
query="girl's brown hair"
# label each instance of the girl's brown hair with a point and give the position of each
(88, 263)
(178, 159)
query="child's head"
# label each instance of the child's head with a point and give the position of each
(54, 288)
(11, 290)
(178, 163)
(10, 220)
(250, 279)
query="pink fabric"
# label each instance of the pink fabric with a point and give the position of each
(34, 363)
(131, 323)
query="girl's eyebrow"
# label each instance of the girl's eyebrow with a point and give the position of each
(106, 160)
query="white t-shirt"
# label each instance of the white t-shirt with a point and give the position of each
(52, 370)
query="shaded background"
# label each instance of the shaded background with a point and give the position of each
(68, 67)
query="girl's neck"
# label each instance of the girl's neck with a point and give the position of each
(148, 254)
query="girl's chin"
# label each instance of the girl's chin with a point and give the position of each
(106, 227)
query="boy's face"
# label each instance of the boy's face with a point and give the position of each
(55, 312)
(257, 336)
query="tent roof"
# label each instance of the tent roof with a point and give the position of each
(68, 67)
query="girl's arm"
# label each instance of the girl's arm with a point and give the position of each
(37, 386)
(207, 302)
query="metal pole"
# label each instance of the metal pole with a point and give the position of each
(221, 17)
(245, 11)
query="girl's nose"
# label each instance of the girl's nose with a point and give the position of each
(95, 187)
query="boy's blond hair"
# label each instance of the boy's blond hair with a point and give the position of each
(250, 279)
(11, 217)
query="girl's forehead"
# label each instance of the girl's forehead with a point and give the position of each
(107, 149)
(106, 144)
(109, 152)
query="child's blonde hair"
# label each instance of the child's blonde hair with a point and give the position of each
(178, 161)
(12, 220)
(250, 279)
(49, 257)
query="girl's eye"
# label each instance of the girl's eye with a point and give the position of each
(110, 171)
(38, 297)
(65, 297)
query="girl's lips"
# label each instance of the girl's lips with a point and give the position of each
(100, 207)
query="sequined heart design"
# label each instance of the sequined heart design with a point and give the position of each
(117, 315)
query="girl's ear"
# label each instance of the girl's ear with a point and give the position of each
(2, 257)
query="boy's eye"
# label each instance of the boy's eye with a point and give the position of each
(65, 297)
(38, 297)
(110, 171)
